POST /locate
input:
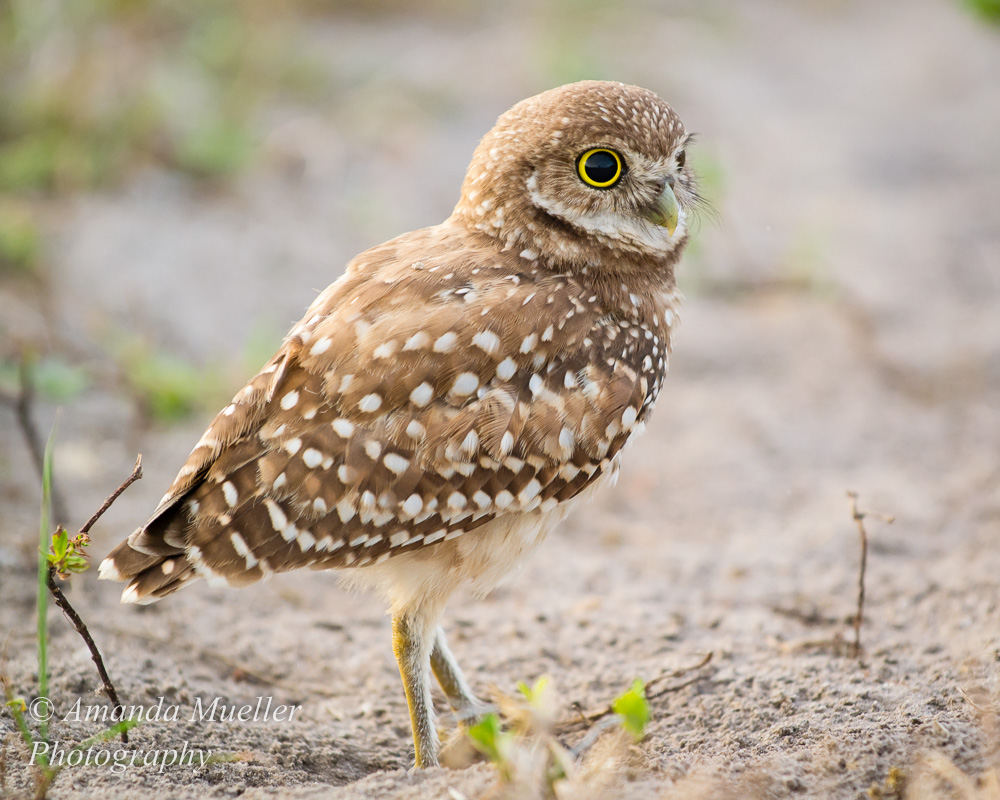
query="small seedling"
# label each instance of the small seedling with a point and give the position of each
(490, 739)
(67, 555)
(633, 709)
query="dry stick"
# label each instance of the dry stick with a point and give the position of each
(22, 408)
(590, 717)
(70, 612)
(859, 518)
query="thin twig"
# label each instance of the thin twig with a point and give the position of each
(95, 654)
(70, 612)
(22, 409)
(590, 717)
(859, 519)
(136, 475)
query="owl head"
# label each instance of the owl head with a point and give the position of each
(583, 173)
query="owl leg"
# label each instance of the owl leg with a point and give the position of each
(465, 704)
(413, 637)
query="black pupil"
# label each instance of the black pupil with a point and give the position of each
(601, 166)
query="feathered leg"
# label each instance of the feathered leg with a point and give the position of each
(413, 637)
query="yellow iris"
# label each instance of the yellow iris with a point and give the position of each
(600, 167)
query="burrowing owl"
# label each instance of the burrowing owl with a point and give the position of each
(444, 403)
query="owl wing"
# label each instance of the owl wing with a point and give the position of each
(426, 392)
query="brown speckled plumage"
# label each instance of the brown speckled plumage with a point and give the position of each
(460, 382)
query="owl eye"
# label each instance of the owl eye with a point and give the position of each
(600, 167)
(681, 159)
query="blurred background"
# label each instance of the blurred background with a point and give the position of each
(179, 180)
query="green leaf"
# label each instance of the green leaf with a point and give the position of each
(490, 739)
(633, 708)
(535, 695)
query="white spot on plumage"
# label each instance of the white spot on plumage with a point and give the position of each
(504, 498)
(278, 519)
(415, 430)
(465, 384)
(487, 341)
(422, 395)
(320, 347)
(396, 463)
(290, 399)
(385, 350)
(418, 341)
(292, 446)
(506, 369)
(243, 549)
(430, 538)
(457, 501)
(529, 342)
(346, 510)
(373, 449)
(343, 428)
(529, 491)
(628, 417)
(370, 403)
(413, 505)
(446, 342)
(230, 493)
(312, 457)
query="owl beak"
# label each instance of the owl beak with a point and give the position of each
(666, 210)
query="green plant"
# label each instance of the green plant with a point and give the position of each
(633, 709)
(56, 551)
(988, 10)
(489, 738)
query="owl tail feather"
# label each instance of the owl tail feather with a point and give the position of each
(149, 576)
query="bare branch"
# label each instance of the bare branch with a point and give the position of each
(859, 519)
(136, 475)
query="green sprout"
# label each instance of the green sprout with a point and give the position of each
(490, 739)
(633, 708)
(67, 555)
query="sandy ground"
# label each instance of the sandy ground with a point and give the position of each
(840, 332)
